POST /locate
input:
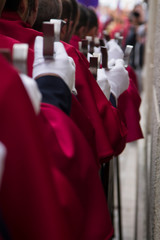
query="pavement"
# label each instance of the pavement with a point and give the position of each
(132, 165)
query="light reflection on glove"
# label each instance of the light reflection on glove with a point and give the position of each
(103, 82)
(118, 78)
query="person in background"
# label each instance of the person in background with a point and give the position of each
(81, 27)
(66, 14)
(53, 11)
(74, 17)
(92, 23)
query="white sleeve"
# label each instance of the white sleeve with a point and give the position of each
(33, 91)
(103, 82)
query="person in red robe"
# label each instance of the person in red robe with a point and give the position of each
(77, 165)
(129, 101)
(28, 198)
(81, 28)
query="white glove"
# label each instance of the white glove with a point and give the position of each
(3, 153)
(61, 65)
(118, 78)
(114, 50)
(103, 82)
(33, 91)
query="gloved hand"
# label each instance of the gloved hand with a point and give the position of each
(3, 153)
(114, 50)
(61, 65)
(103, 82)
(97, 50)
(33, 91)
(118, 78)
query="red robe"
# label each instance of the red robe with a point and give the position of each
(28, 195)
(85, 206)
(129, 104)
(12, 26)
(82, 121)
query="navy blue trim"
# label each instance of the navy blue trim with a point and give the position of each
(3, 229)
(113, 100)
(55, 91)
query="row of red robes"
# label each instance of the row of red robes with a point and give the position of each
(50, 187)
(128, 103)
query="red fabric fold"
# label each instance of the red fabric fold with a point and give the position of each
(74, 41)
(82, 121)
(129, 104)
(77, 163)
(132, 75)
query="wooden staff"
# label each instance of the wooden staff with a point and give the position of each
(104, 52)
(48, 40)
(101, 41)
(93, 66)
(84, 47)
(90, 44)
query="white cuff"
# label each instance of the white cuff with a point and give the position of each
(33, 91)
